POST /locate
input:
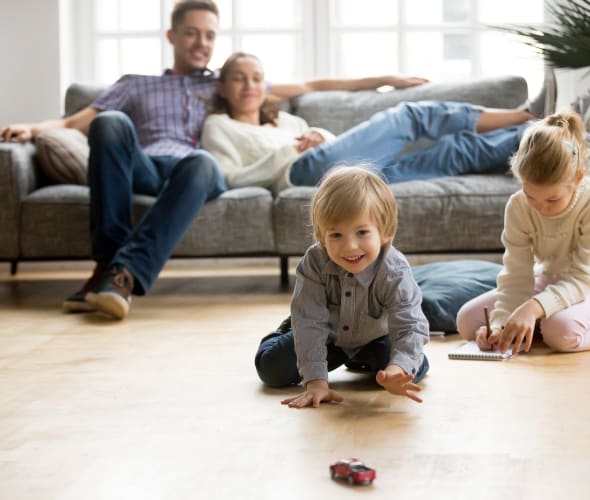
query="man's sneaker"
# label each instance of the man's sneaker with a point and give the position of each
(77, 301)
(112, 296)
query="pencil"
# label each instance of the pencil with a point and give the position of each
(487, 315)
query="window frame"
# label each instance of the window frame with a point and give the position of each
(316, 39)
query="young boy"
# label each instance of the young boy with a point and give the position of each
(355, 299)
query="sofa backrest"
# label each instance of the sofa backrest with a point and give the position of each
(337, 111)
(80, 95)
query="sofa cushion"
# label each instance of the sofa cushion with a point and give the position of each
(446, 286)
(63, 155)
(55, 224)
(449, 214)
(337, 111)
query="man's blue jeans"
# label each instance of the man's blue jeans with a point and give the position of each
(118, 168)
(380, 142)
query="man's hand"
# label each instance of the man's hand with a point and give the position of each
(308, 140)
(395, 381)
(20, 132)
(315, 392)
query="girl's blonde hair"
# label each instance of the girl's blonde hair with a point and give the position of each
(347, 192)
(552, 151)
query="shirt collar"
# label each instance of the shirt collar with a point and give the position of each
(198, 73)
(364, 278)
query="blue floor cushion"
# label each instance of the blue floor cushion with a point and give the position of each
(446, 286)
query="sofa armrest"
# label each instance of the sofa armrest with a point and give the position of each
(18, 177)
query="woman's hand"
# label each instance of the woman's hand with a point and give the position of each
(520, 327)
(395, 381)
(308, 140)
(400, 82)
(315, 392)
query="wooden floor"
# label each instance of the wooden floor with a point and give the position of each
(167, 405)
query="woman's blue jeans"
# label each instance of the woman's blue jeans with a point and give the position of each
(382, 140)
(117, 169)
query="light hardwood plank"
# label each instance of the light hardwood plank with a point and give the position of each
(167, 405)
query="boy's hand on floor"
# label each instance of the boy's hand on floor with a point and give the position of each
(315, 392)
(399, 383)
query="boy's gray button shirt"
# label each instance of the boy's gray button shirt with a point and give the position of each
(331, 305)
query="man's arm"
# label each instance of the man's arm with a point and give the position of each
(289, 90)
(23, 132)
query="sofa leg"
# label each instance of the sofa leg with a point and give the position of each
(284, 264)
(13, 267)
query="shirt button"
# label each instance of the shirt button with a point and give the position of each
(348, 294)
(345, 328)
(350, 275)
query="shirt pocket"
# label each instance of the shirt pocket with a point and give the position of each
(371, 328)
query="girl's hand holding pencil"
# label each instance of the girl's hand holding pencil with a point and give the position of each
(486, 338)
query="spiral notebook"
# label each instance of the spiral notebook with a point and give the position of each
(470, 350)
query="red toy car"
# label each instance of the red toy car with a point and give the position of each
(352, 469)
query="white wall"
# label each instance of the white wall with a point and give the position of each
(30, 75)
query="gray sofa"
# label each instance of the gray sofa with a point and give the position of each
(464, 214)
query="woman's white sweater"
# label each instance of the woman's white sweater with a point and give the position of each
(254, 155)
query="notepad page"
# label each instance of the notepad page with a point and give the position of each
(470, 350)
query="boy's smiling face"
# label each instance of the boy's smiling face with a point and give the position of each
(354, 244)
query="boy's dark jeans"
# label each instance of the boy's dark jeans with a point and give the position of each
(276, 361)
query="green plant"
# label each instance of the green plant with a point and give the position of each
(565, 41)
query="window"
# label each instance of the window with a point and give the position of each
(304, 39)
(120, 40)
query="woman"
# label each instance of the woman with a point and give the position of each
(256, 145)
(253, 142)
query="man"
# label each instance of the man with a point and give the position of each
(143, 134)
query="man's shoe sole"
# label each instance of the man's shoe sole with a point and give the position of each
(77, 306)
(109, 303)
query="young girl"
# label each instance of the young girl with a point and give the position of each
(255, 147)
(545, 280)
(354, 299)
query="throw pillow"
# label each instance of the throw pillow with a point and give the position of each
(446, 286)
(63, 155)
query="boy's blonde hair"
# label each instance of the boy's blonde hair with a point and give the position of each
(552, 151)
(347, 192)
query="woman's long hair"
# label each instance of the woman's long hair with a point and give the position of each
(268, 111)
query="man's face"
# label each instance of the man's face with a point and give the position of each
(193, 40)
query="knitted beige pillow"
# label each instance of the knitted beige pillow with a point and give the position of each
(63, 155)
